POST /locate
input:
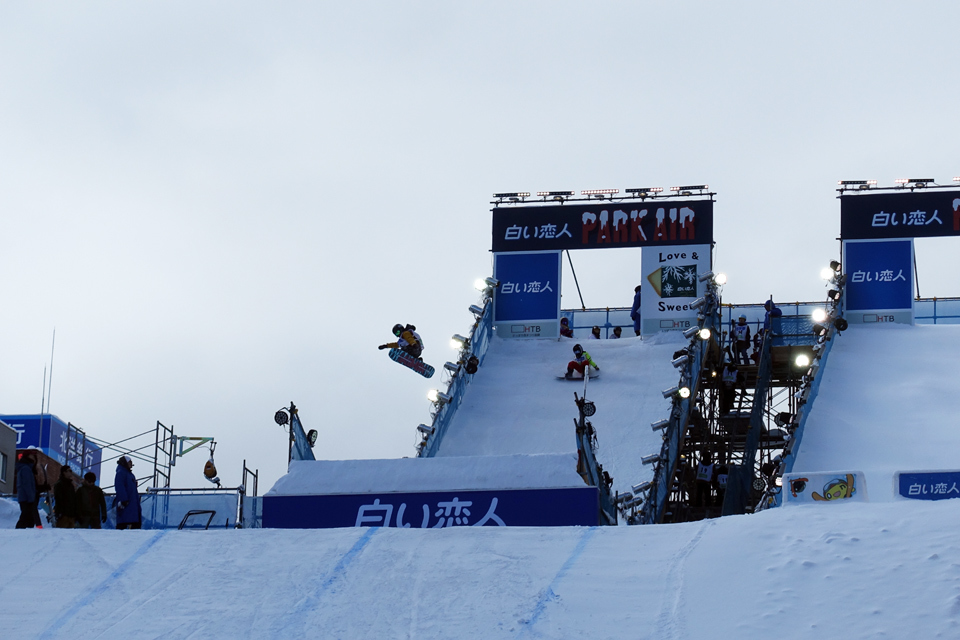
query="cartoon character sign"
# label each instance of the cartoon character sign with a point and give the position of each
(815, 488)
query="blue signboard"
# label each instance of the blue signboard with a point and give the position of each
(879, 275)
(529, 292)
(579, 506)
(928, 485)
(602, 226)
(920, 214)
(62, 442)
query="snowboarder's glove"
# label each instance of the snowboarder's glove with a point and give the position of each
(596, 368)
(383, 346)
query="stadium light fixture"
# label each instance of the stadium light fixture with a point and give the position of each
(841, 324)
(901, 181)
(459, 342)
(451, 367)
(835, 265)
(819, 329)
(705, 334)
(690, 187)
(492, 282)
(705, 276)
(833, 294)
(644, 192)
(956, 178)
(699, 302)
(720, 279)
(692, 331)
(512, 195)
(827, 273)
(438, 397)
(599, 192)
(679, 362)
(475, 310)
(624, 497)
(802, 361)
(651, 459)
(425, 429)
(659, 425)
(640, 488)
(669, 393)
(856, 184)
(684, 392)
(479, 284)
(819, 315)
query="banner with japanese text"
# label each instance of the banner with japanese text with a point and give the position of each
(527, 302)
(602, 226)
(669, 284)
(879, 281)
(915, 214)
(57, 439)
(567, 507)
(927, 485)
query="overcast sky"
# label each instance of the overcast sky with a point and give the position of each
(223, 207)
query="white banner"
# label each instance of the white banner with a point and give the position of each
(670, 283)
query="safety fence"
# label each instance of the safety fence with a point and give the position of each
(446, 405)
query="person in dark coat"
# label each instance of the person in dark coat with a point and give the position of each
(65, 499)
(27, 491)
(635, 310)
(92, 505)
(127, 500)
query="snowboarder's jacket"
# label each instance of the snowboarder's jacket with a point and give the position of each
(26, 484)
(408, 341)
(125, 485)
(585, 357)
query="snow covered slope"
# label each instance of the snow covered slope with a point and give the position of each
(839, 571)
(888, 402)
(515, 404)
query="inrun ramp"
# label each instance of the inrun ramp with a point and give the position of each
(888, 402)
(516, 405)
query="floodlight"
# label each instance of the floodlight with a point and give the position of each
(826, 273)
(660, 424)
(589, 409)
(922, 182)
(281, 417)
(901, 181)
(473, 363)
(679, 362)
(512, 194)
(684, 392)
(479, 284)
(425, 429)
(699, 302)
(819, 315)
(312, 436)
(624, 497)
(651, 459)
(705, 333)
(438, 397)
(705, 276)
(599, 192)
(778, 481)
(803, 360)
(475, 310)
(644, 191)
(692, 331)
(640, 488)
(720, 279)
(819, 329)
(451, 367)
(492, 282)
(956, 178)
(550, 194)
(669, 393)
(840, 324)
(691, 187)
(459, 342)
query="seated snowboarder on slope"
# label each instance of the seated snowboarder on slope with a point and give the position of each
(582, 359)
(408, 340)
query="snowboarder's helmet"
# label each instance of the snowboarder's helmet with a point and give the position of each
(742, 317)
(577, 350)
(397, 329)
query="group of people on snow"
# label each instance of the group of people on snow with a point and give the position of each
(77, 503)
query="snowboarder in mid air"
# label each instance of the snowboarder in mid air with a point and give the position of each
(408, 340)
(580, 362)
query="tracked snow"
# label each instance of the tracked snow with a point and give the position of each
(516, 405)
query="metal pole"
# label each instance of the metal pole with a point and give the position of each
(575, 281)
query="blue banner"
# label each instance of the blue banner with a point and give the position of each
(57, 439)
(602, 226)
(879, 275)
(929, 485)
(529, 286)
(915, 214)
(578, 506)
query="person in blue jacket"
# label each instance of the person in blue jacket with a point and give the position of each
(635, 310)
(127, 500)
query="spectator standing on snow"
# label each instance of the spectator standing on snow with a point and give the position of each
(617, 332)
(565, 329)
(127, 500)
(65, 499)
(635, 310)
(91, 504)
(594, 333)
(27, 493)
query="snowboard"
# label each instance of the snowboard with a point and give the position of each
(410, 362)
(579, 378)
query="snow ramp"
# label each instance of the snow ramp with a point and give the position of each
(516, 405)
(888, 402)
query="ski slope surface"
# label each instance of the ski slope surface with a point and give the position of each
(516, 405)
(888, 402)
